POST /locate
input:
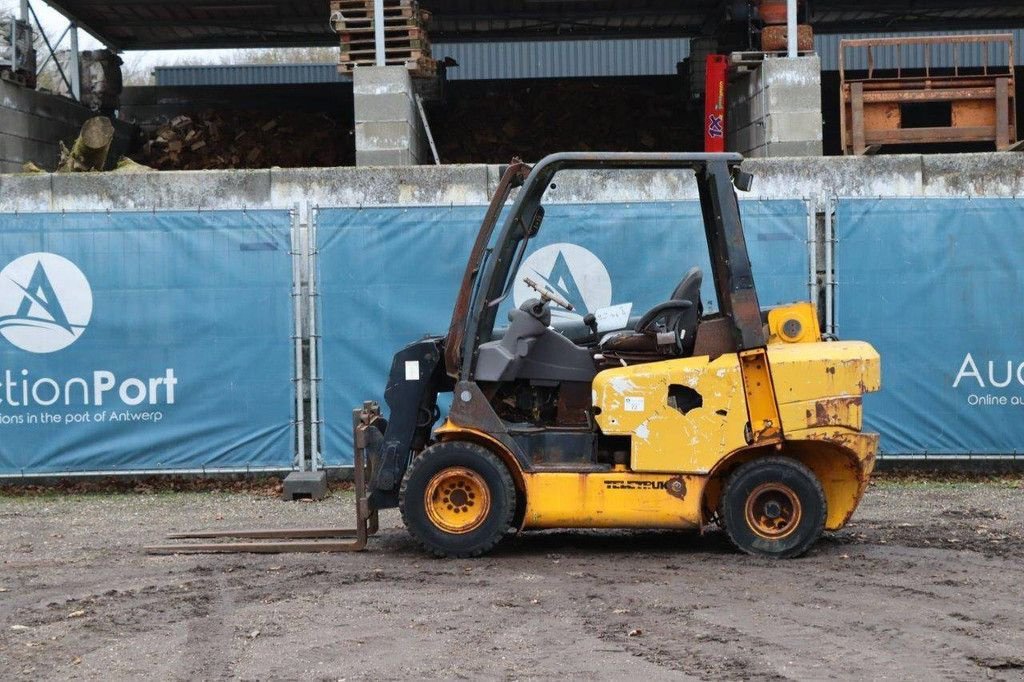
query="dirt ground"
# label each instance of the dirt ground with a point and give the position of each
(927, 583)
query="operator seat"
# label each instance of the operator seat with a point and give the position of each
(667, 329)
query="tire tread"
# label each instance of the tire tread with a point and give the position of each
(423, 460)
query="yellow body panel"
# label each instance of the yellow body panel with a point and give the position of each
(615, 499)
(634, 401)
(815, 384)
(844, 478)
(811, 371)
(793, 323)
(765, 424)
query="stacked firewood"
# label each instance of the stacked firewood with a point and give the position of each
(247, 139)
(406, 42)
(494, 121)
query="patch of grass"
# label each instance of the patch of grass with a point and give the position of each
(945, 478)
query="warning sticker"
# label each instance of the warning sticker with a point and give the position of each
(634, 404)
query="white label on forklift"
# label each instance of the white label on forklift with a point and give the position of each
(634, 404)
(613, 318)
(412, 370)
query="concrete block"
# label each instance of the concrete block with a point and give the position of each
(384, 135)
(384, 157)
(792, 84)
(786, 149)
(387, 107)
(411, 185)
(230, 189)
(793, 126)
(25, 192)
(309, 485)
(981, 174)
(381, 80)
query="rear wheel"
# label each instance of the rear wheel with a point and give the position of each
(457, 499)
(773, 507)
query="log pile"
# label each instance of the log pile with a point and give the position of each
(406, 42)
(492, 122)
(247, 139)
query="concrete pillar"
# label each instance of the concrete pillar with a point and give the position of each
(389, 131)
(775, 109)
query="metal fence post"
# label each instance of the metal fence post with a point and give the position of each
(830, 277)
(812, 251)
(298, 382)
(312, 298)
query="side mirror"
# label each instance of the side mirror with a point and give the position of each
(742, 180)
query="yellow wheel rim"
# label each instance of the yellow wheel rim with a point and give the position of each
(773, 511)
(457, 500)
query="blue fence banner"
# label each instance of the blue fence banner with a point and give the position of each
(145, 341)
(388, 276)
(935, 285)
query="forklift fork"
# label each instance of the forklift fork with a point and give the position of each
(284, 540)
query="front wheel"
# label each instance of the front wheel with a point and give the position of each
(773, 507)
(457, 499)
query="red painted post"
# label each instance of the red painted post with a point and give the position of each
(714, 102)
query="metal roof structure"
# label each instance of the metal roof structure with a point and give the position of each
(170, 24)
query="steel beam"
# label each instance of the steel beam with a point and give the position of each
(791, 28)
(74, 65)
(378, 31)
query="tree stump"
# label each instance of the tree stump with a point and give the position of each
(89, 152)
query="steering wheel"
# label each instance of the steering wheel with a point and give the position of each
(669, 311)
(546, 294)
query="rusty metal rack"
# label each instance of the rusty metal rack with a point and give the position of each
(290, 540)
(406, 42)
(972, 102)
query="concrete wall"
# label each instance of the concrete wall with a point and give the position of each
(32, 124)
(775, 110)
(389, 130)
(988, 174)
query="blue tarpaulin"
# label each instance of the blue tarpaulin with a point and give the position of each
(935, 286)
(145, 341)
(387, 276)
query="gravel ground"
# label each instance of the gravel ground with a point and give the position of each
(926, 583)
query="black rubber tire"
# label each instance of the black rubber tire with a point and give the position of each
(499, 482)
(800, 480)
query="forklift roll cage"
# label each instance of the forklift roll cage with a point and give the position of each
(486, 276)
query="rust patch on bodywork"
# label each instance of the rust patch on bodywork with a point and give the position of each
(835, 412)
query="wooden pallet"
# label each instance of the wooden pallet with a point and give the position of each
(389, 54)
(397, 32)
(422, 67)
(389, 44)
(357, 15)
(346, 24)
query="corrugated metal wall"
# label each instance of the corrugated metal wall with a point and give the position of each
(913, 56)
(249, 74)
(564, 59)
(477, 61)
(579, 59)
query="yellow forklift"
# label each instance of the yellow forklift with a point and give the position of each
(744, 416)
